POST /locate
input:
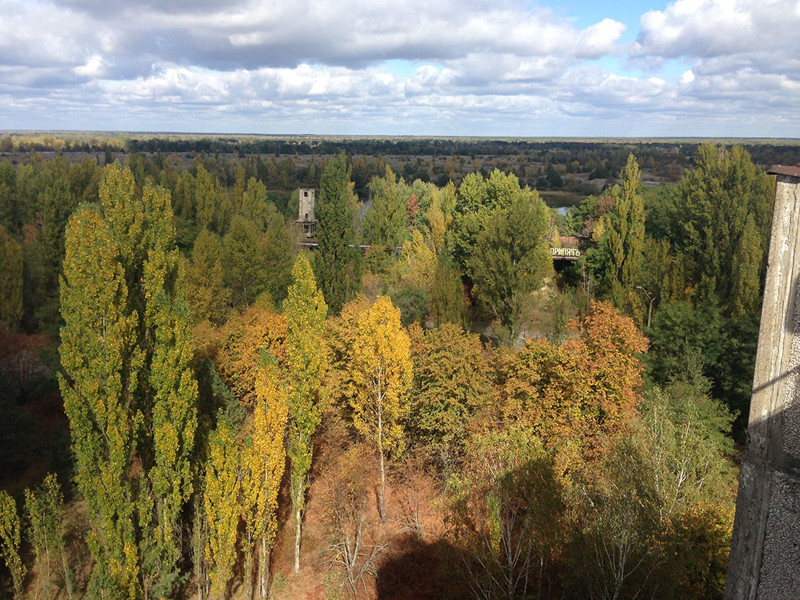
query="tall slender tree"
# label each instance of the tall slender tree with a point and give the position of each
(381, 381)
(624, 236)
(10, 539)
(221, 506)
(336, 264)
(11, 283)
(263, 462)
(307, 359)
(128, 385)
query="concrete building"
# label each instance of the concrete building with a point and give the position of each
(306, 216)
(765, 550)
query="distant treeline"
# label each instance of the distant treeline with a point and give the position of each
(579, 166)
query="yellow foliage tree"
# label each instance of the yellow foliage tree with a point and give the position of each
(264, 458)
(236, 348)
(381, 372)
(221, 506)
(308, 362)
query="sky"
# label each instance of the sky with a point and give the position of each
(498, 68)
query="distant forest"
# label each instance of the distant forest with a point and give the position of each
(201, 400)
(287, 160)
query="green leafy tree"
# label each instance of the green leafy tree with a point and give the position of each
(511, 258)
(624, 236)
(506, 510)
(183, 196)
(447, 293)
(11, 284)
(386, 222)
(381, 380)
(243, 260)
(255, 205)
(10, 539)
(57, 203)
(307, 360)
(451, 383)
(211, 210)
(206, 292)
(478, 200)
(279, 252)
(44, 508)
(10, 217)
(128, 384)
(721, 222)
(336, 263)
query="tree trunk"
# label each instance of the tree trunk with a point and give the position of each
(382, 500)
(297, 532)
(263, 570)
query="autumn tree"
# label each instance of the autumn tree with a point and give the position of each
(307, 360)
(263, 461)
(238, 347)
(128, 385)
(354, 538)
(221, 506)
(381, 372)
(10, 539)
(11, 266)
(577, 395)
(439, 218)
(336, 263)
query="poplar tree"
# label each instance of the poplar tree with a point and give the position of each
(205, 280)
(10, 539)
(381, 372)
(11, 266)
(336, 263)
(128, 385)
(220, 503)
(307, 359)
(263, 462)
(44, 508)
(624, 236)
(386, 223)
(724, 214)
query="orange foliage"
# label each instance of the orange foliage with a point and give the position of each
(578, 395)
(236, 348)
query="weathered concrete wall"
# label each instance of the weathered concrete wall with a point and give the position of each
(306, 212)
(765, 551)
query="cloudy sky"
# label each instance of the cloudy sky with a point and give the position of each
(709, 68)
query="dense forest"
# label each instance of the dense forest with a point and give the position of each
(425, 405)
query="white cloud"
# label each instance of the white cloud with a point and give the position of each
(466, 64)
